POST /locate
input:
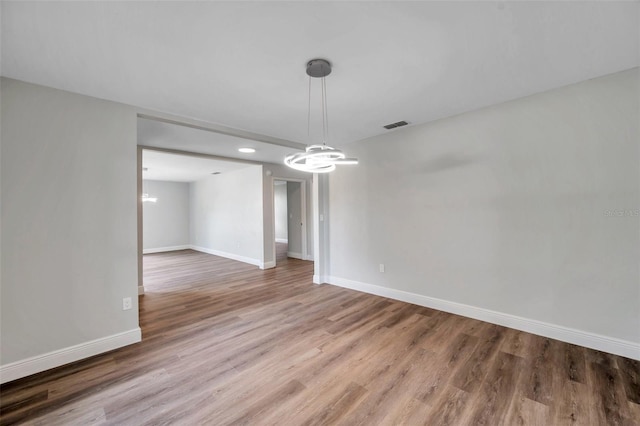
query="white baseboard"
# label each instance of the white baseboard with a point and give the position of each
(163, 249)
(39, 363)
(578, 337)
(140, 290)
(268, 265)
(320, 279)
(231, 256)
(309, 257)
(282, 240)
(294, 255)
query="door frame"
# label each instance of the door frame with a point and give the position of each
(303, 214)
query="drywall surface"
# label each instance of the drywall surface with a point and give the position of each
(69, 240)
(528, 208)
(166, 222)
(227, 215)
(280, 211)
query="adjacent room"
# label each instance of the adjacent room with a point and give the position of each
(329, 213)
(200, 203)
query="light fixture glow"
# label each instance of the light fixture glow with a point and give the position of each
(247, 150)
(145, 195)
(147, 199)
(319, 158)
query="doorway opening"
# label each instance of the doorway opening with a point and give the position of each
(290, 230)
(194, 140)
(197, 203)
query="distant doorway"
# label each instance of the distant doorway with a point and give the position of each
(289, 219)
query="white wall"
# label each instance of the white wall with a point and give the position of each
(166, 222)
(280, 211)
(507, 209)
(227, 214)
(69, 240)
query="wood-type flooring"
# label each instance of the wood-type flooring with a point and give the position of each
(227, 343)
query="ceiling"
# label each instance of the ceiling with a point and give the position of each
(183, 168)
(242, 64)
(158, 134)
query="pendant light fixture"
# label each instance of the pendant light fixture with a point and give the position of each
(318, 158)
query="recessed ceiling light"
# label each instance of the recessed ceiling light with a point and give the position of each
(247, 150)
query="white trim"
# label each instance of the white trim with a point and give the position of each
(163, 249)
(295, 255)
(231, 256)
(140, 290)
(268, 265)
(309, 257)
(578, 337)
(282, 240)
(36, 364)
(319, 279)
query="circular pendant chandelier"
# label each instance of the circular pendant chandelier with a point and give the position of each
(319, 158)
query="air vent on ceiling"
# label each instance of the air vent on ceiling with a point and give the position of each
(394, 125)
(215, 173)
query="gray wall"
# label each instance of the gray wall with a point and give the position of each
(512, 208)
(227, 215)
(69, 240)
(69, 202)
(294, 218)
(166, 222)
(280, 211)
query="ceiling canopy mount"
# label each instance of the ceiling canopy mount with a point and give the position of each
(318, 68)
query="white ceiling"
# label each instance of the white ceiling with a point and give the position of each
(241, 64)
(183, 168)
(158, 134)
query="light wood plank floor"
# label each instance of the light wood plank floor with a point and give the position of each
(226, 343)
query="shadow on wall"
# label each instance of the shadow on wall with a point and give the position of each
(442, 163)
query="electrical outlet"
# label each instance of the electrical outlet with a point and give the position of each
(382, 267)
(126, 303)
